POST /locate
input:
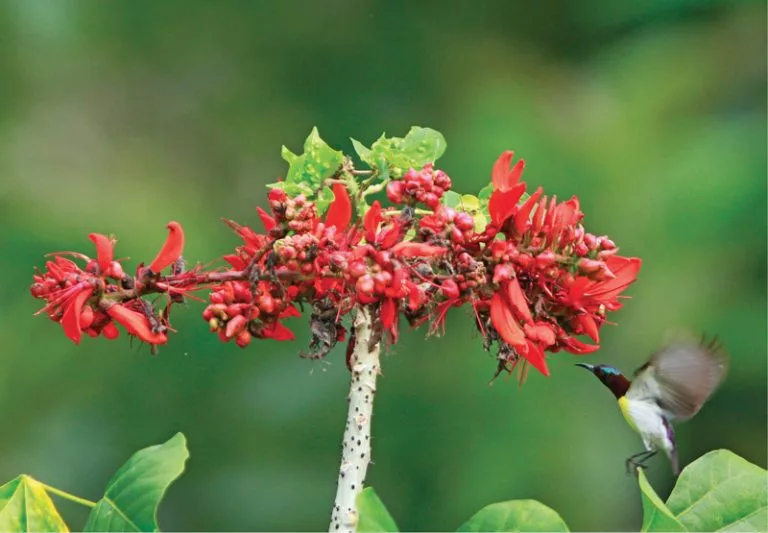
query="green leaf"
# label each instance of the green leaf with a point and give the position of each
(396, 155)
(373, 517)
(452, 199)
(293, 189)
(324, 199)
(470, 202)
(481, 221)
(515, 515)
(656, 515)
(721, 491)
(485, 192)
(362, 151)
(25, 506)
(134, 492)
(423, 145)
(287, 155)
(318, 162)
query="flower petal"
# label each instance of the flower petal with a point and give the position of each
(136, 324)
(266, 219)
(504, 321)
(417, 249)
(503, 204)
(517, 300)
(535, 355)
(70, 320)
(340, 210)
(171, 250)
(278, 332)
(371, 222)
(575, 346)
(502, 177)
(388, 315)
(523, 215)
(104, 250)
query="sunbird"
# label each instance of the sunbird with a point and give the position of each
(672, 385)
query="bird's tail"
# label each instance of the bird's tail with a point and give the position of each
(671, 448)
(674, 461)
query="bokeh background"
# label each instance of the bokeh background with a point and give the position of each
(119, 116)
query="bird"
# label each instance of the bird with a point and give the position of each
(672, 385)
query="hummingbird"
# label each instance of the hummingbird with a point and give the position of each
(671, 386)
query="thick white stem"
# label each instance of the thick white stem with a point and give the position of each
(356, 447)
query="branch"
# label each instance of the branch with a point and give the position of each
(356, 447)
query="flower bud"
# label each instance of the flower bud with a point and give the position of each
(365, 285)
(395, 191)
(464, 221)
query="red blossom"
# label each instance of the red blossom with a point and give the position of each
(104, 251)
(340, 210)
(136, 324)
(171, 250)
(536, 280)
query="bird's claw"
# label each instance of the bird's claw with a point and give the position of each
(633, 467)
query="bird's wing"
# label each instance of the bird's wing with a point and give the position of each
(680, 377)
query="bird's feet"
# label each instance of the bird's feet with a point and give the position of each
(633, 467)
(636, 462)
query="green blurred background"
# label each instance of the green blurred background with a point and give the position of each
(119, 116)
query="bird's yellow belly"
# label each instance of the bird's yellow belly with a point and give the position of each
(624, 407)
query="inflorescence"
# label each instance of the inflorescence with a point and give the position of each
(535, 279)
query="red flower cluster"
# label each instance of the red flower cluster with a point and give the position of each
(426, 186)
(534, 277)
(91, 300)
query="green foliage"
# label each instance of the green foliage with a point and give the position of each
(25, 506)
(720, 491)
(134, 492)
(373, 517)
(656, 515)
(515, 515)
(307, 172)
(395, 155)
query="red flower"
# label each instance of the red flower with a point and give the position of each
(73, 310)
(587, 294)
(136, 324)
(171, 250)
(502, 177)
(340, 210)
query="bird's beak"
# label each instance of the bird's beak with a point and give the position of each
(591, 368)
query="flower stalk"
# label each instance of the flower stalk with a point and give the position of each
(365, 345)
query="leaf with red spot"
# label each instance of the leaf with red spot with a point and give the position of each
(104, 250)
(171, 250)
(340, 210)
(70, 320)
(503, 321)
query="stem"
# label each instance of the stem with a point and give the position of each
(356, 447)
(68, 496)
